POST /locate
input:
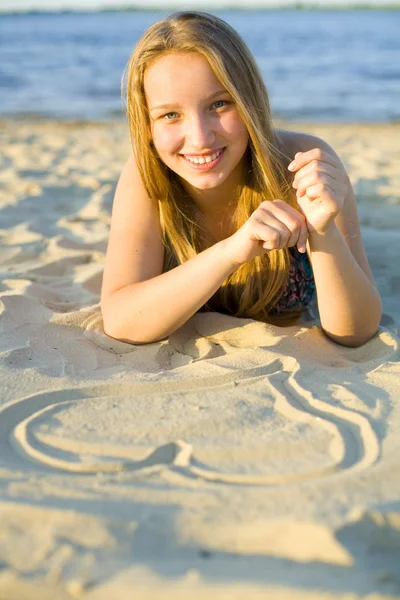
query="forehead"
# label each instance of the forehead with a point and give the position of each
(171, 76)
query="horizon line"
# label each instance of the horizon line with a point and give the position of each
(172, 6)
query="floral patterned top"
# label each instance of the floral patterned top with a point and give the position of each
(300, 289)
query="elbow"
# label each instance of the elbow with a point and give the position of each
(360, 333)
(111, 326)
(120, 333)
(121, 336)
(111, 323)
(354, 340)
(111, 331)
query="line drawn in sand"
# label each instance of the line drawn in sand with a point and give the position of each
(354, 444)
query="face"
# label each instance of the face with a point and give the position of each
(196, 127)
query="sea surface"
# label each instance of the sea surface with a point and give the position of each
(326, 66)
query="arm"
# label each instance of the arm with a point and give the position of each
(140, 303)
(148, 311)
(349, 304)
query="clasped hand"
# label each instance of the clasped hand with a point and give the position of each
(321, 183)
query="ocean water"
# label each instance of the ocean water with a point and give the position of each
(327, 66)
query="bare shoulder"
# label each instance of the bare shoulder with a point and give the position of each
(291, 142)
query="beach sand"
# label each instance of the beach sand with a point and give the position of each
(233, 460)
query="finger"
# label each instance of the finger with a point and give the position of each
(273, 234)
(303, 158)
(315, 179)
(303, 237)
(273, 241)
(322, 190)
(319, 168)
(295, 222)
(329, 203)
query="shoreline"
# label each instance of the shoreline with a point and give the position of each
(71, 121)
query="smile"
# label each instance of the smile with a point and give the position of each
(202, 162)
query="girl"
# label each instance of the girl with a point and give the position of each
(209, 214)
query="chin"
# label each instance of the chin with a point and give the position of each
(206, 184)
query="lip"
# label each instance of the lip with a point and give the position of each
(204, 166)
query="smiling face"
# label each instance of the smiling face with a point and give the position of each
(196, 127)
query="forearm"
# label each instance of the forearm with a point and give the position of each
(151, 310)
(349, 304)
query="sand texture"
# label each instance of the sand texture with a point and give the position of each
(233, 460)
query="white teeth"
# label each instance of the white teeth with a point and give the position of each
(201, 160)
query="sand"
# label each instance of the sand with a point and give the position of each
(233, 460)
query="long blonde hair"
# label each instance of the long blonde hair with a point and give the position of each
(253, 289)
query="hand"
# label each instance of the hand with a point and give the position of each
(273, 225)
(322, 183)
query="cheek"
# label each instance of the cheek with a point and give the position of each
(234, 126)
(164, 139)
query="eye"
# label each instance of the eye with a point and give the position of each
(221, 103)
(170, 115)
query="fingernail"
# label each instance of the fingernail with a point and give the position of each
(291, 166)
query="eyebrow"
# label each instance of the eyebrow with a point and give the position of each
(177, 105)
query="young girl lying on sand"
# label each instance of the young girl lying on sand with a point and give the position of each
(216, 209)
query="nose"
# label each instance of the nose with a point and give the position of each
(200, 134)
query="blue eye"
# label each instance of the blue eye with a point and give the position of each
(222, 102)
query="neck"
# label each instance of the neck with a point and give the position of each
(211, 202)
